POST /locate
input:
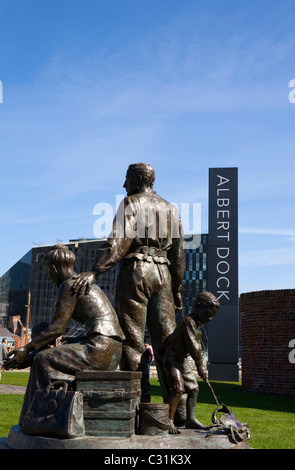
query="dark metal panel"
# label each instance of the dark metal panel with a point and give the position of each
(223, 338)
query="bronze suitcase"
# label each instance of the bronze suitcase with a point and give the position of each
(111, 401)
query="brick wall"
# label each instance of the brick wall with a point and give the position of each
(267, 327)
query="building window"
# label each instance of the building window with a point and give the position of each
(190, 260)
(204, 261)
(197, 261)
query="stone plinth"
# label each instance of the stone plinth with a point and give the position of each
(188, 439)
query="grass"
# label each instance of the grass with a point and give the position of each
(10, 407)
(271, 419)
(10, 404)
(14, 378)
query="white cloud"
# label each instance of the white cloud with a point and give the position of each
(270, 257)
(263, 257)
(290, 233)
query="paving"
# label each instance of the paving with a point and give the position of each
(8, 389)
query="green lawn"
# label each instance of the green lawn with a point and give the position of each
(271, 418)
(10, 405)
(14, 378)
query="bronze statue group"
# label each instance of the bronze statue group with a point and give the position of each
(148, 241)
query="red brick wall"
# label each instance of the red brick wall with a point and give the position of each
(267, 327)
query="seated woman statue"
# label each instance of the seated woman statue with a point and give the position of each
(98, 347)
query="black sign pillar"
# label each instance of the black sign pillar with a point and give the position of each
(223, 331)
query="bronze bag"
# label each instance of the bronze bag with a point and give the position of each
(55, 412)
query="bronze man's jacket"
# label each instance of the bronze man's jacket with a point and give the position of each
(149, 228)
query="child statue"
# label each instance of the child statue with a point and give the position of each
(186, 339)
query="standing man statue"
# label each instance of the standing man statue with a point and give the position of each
(148, 237)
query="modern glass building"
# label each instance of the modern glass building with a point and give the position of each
(14, 287)
(195, 277)
(211, 264)
(44, 293)
(29, 274)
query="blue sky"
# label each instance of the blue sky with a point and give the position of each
(91, 86)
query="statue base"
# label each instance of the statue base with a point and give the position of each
(188, 439)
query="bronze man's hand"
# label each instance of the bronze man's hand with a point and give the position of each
(178, 301)
(83, 283)
(17, 357)
(203, 374)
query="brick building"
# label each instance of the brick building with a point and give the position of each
(267, 327)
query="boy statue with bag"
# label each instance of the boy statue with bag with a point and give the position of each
(98, 347)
